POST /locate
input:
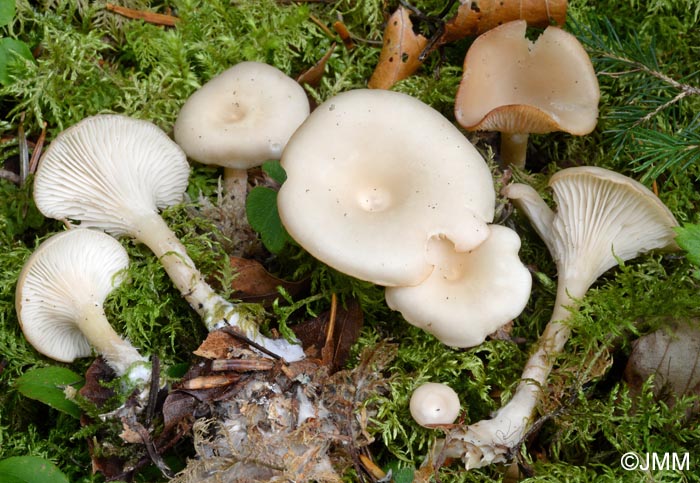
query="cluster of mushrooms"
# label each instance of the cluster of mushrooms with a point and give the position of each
(379, 186)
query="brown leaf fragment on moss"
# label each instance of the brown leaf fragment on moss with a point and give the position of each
(313, 75)
(254, 284)
(217, 345)
(478, 16)
(348, 322)
(399, 56)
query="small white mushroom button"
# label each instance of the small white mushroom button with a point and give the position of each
(434, 403)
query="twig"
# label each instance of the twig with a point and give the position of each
(328, 351)
(23, 152)
(150, 17)
(684, 90)
(10, 176)
(237, 335)
(38, 147)
(153, 391)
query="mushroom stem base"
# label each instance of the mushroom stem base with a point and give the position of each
(495, 440)
(216, 312)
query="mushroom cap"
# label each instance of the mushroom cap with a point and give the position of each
(434, 403)
(513, 85)
(602, 217)
(109, 169)
(66, 273)
(372, 175)
(468, 295)
(242, 117)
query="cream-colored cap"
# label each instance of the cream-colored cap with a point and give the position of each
(372, 175)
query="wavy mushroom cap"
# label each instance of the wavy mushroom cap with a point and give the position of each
(511, 84)
(434, 403)
(108, 169)
(68, 274)
(372, 175)
(468, 295)
(602, 217)
(242, 117)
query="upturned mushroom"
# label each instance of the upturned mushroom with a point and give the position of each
(372, 175)
(517, 87)
(239, 119)
(468, 295)
(434, 403)
(114, 173)
(60, 295)
(602, 218)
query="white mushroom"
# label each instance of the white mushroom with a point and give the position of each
(60, 295)
(602, 218)
(517, 87)
(239, 119)
(372, 175)
(114, 173)
(469, 295)
(434, 403)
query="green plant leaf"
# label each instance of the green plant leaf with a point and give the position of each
(689, 240)
(30, 469)
(274, 170)
(7, 12)
(10, 51)
(261, 209)
(46, 385)
(400, 474)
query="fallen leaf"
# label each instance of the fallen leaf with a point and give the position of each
(344, 35)
(348, 322)
(314, 74)
(399, 56)
(217, 345)
(475, 17)
(256, 285)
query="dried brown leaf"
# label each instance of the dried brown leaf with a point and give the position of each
(478, 16)
(347, 325)
(256, 285)
(399, 56)
(217, 345)
(314, 74)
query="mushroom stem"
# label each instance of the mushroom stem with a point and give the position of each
(216, 312)
(494, 440)
(236, 190)
(119, 353)
(514, 149)
(602, 217)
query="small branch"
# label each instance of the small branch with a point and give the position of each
(150, 17)
(10, 176)
(232, 331)
(640, 67)
(663, 106)
(23, 152)
(36, 153)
